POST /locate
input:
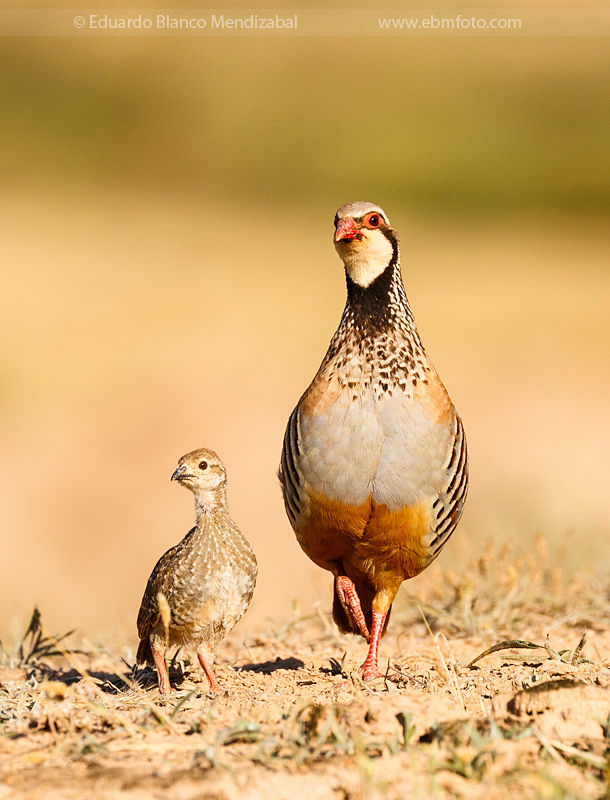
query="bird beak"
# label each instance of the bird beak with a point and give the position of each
(179, 473)
(346, 229)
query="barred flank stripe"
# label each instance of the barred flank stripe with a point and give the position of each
(455, 493)
(289, 475)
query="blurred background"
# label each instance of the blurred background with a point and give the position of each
(168, 282)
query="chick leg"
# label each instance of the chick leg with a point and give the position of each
(207, 661)
(370, 669)
(346, 592)
(158, 652)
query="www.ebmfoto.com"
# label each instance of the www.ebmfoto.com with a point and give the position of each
(450, 23)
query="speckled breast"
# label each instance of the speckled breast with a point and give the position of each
(392, 447)
(372, 460)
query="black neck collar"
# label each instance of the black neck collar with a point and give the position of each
(372, 304)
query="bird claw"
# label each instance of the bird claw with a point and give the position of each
(369, 673)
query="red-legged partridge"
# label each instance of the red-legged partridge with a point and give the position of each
(374, 469)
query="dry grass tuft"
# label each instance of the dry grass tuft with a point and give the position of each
(502, 591)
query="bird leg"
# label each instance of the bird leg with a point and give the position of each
(346, 592)
(370, 670)
(207, 661)
(158, 651)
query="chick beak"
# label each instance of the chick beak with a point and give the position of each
(178, 473)
(346, 229)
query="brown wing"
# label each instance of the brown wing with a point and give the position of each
(149, 614)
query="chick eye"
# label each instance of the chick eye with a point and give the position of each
(373, 221)
(203, 465)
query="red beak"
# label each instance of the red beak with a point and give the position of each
(346, 229)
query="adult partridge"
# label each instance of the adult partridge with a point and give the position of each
(374, 469)
(202, 586)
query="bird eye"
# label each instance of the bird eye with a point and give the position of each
(203, 465)
(336, 220)
(373, 221)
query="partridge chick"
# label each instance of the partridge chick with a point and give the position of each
(374, 468)
(202, 586)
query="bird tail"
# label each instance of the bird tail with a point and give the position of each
(144, 655)
(366, 596)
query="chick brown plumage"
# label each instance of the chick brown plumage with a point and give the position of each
(202, 586)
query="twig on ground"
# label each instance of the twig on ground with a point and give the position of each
(508, 644)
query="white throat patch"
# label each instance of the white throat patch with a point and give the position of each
(367, 258)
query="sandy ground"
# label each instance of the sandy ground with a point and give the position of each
(531, 719)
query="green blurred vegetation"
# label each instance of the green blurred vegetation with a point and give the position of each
(457, 126)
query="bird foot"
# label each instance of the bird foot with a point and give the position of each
(206, 660)
(168, 693)
(346, 592)
(369, 672)
(158, 652)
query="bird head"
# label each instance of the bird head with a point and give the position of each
(204, 474)
(365, 241)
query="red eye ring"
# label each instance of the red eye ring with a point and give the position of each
(373, 220)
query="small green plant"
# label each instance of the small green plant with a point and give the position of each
(308, 733)
(408, 730)
(242, 730)
(468, 764)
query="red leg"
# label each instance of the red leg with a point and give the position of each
(346, 592)
(370, 669)
(158, 651)
(207, 661)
